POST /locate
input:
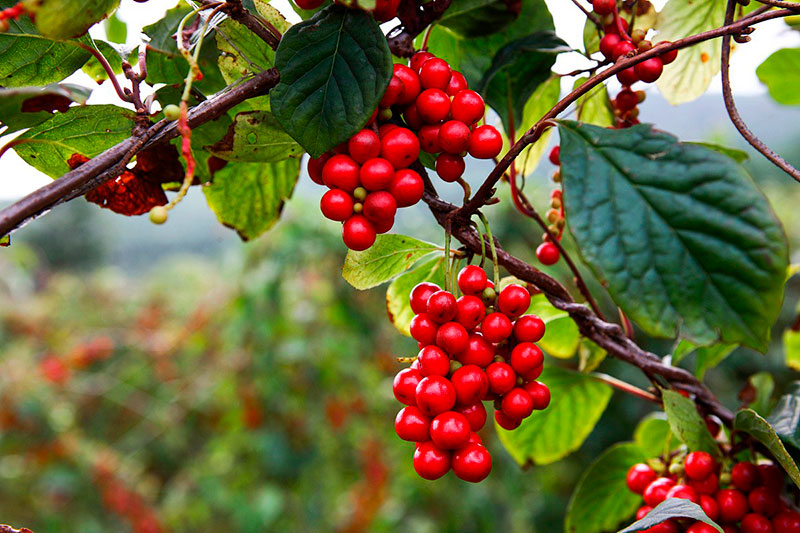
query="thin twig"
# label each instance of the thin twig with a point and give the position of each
(589, 15)
(626, 387)
(107, 67)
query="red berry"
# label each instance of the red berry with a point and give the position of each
(472, 463)
(642, 511)
(336, 205)
(382, 226)
(429, 138)
(418, 298)
(431, 462)
(457, 84)
(450, 167)
(54, 370)
(608, 43)
(529, 328)
(411, 424)
(771, 477)
(410, 81)
(485, 142)
(732, 505)
(526, 357)
(496, 327)
(699, 465)
(684, 492)
(435, 394)
(393, 92)
(547, 253)
(450, 430)
(435, 73)
(308, 4)
(315, 166)
(433, 105)
(745, 476)
(555, 155)
(668, 57)
(786, 522)
(470, 311)
(380, 207)
(514, 300)
(626, 100)
(479, 351)
(433, 362)
(472, 280)
(405, 385)
(612, 28)
(709, 485)
(471, 384)
(517, 403)
(639, 477)
(505, 422)
(376, 174)
(763, 500)
(358, 233)
(419, 58)
(468, 107)
(649, 70)
(400, 147)
(502, 377)
(656, 492)
(423, 329)
(540, 394)
(411, 116)
(386, 128)
(406, 187)
(710, 506)
(452, 338)
(341, 172)
(701, 527)
(454, 137)
(604, 7)
(385, 10)
(364, 145)
(623, 48)
(442, 307)
(755, 523)
(627, 77)
(475, 414)
(664, 527)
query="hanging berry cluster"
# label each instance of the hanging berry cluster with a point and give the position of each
(746, 499)
(547, 253)
(479, 347)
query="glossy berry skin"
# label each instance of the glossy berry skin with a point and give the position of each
(627, 77)
(649, 70)
(341, 172)
(745, 476)
(468, 107)
(496, 327)
(786, 522)
(505, 422)
(642, 511)
(710, 506)
(450, 430)
(411, 116)
(540, 394)
(555, 156)
(410, 81)
(336, 205)
(732, 505)
(457, 84)
(664, 527)
(771, 477)
(405, 385)
(502, 378)
(450, 167)
(358, 233)
(412, 425)
(668, 57)
(380, 207)
(435, 394)
(623, 48)
(526, 357)
(384, 225)
(308, 4)
(431, 462)
(708, 486)
(472, 280)
(435, 73)
(471, 384)
(684, 492)
(400, 147)
(475, 414)
(315, 166)
(470, 311)
(764, 501)
(529, 328)
(442, 307)
(433, 105)
(393, 92)
(472, 463)
(420, 294)
(452, 338)
(376, 174)
(423, 329)
(517, 403)
(608, 43)
(429, 138)
(454, 137)
(479, 352)
(547, 253)
(406, 187)
(433, 362)
(755, 523)
(626, 100)
(485, 142)
(604, 7)
(418, 59)
(639, 477)
(363, 146)
(514, 300)
(656, 492)
(701, 527)
(699, 465)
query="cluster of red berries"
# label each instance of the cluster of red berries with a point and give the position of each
(547, 253)
(750, 502)
(384, 9)
(125, 502)
(479, 347)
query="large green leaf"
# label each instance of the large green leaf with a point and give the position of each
(671, 508)
(653, 435)
(242, 53)
(706, 356)
(791, 347)
(690, 75)
(601, 499)
(780, 72)
(590, 355)
(397, 304)
(578, 401)
(561, 336)
(62, 19)
(748, 421)
(249, 197)
(255, 136)
(785, 417)
(389, 256)
(594, 107)
(680, 235)
(85, 130)
(334, 69)
(686, 423)
(475, 18)
(20, 106)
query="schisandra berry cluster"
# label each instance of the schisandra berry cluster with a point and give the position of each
(747, 499)
(479, 347)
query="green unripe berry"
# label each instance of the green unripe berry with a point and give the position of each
(385, 114)
(488, 294)
(172, 112)
(158, 214)
(358, 207)
(360, 193)
(454, 365)
(676, 469)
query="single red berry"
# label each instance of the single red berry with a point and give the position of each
(457, 84)
(485, 142)
(429, 138)
(433, 105)
(701, 527)
(699, 465)
(382, 226)
(555, 155)
(472, 463)
(364, 145)
(771, 477)
(386, 128)
(642, 511)
(755, 523)
(452, 338)
(505, 422)
(471, 384)
(418, 298)
(732, 505)
(608, 43)
(411, 116)
(410, 81)
(358, 233)
(433, 362)
(763, 500)
(470, 311)
(406, 187)
(626, 100)
(423, 329)
(540, 394)
(341, 172)
(514, 300)
(683, 492)
(454, 137)
(405, 385)
(612, 28)
(450, 430)
(474, 413)
(380, 207)
(709, 485)
(529, 328)
(412, 425)
(604, 7)
(315, 166)
(710, 506)
(639, 477)
(656, 492)
(627, 77)
(393, 92)
(400, 147)
(668, 57)
(496, 327)
(435, 73)
(431, 462)
(786, 522)
(468, 107)
(450, 167)
(54, 370)
(502, 377)
(308, 4)
(526, 357)
(419, 58)
(664, 527)
(532, 375)
(547, 253)
(336, 205)
(649, 70)
(479, 351)
(442, 307)
(745, 476)
(435, 394)
(385, 10)
(517, 403)
(623, 48)
(472, 280)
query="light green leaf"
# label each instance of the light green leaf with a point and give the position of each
(590, 355)
(780, 72)
(687, 425)
(671, 508)
(748, 421)
(389, 256)
(116, 30)
(653, 434)
(397, 303)
(594, 107)
(256, 136)
(561, 337)
(791, 347)
(710, 356)
(242, 52)
(62, 19)
(19, 106)
(272, 15)
(681, 350)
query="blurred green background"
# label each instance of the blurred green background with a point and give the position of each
(174, 379)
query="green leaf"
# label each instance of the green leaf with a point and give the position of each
(249, 197)
(242, 52)
(680, 235)
(561, 337)
(86, 130)
(255, 136)
(516, 71)
(389, 256)
(590, 355)
(688, 77)
(601, 499)
(791, 347)
(594, 107)
(18, 105)
(779, 72)
(334, 69)
(116, 30)
(397, 304)
(764, 386)
(653, 435)
(202, 136)
(748, 421)
(785, 417)
(5, 240)
(681, 350)
(740, 156)
(272, 15)
(710, 356)
(62, 19)
(578, 401)
(476, 18)
(687, 425)
(672, 508)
